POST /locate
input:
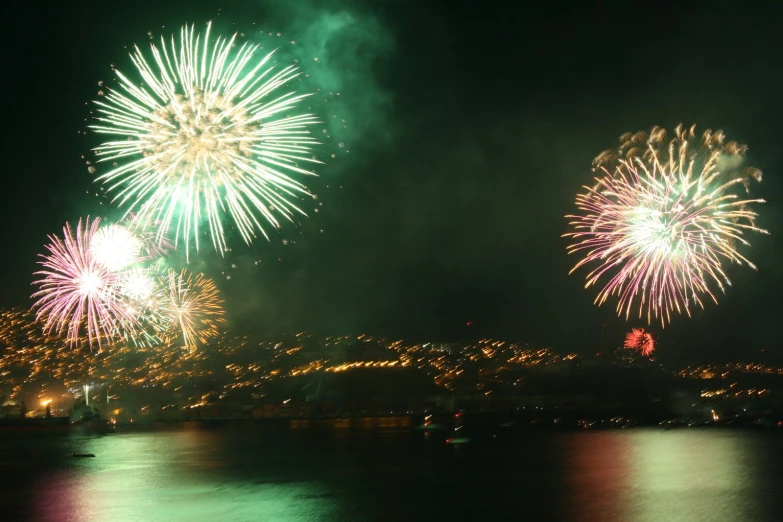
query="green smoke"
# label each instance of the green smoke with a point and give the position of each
(341, 50)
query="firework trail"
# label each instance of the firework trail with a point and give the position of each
(209, 132)
(662, 220)
(640, 340)
(192, 307)
(76, 291)
(155, 244)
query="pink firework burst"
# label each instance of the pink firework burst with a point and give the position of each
(663, 219)
(640, 340)
(76, 292)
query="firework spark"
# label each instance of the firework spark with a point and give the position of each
(155, 243)
(76, 291)
(640, 340)
(193, 308)
(208, 134)
(663, 222)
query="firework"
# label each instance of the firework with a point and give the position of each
(105, 277)
(76, 291)
(115, 247)
(142, 296)
(155, 243)
(192, 307)
(208, 133)
(138, 285)
(640, 340)
(663, 221)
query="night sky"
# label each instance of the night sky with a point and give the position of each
(471, 126)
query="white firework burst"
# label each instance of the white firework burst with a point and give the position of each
(115, 247)
(210, 132)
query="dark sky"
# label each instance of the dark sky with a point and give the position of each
(474, 125)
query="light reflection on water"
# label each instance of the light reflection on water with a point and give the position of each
(171, 476)
(306, 472)
(674, 476)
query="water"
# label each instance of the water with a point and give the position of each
(270, 472)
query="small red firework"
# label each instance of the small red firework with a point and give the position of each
(640, 340)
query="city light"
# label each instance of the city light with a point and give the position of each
(231, 367)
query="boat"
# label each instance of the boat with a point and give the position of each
(88, 419)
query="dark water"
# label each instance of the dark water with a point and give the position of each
(333, 472)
